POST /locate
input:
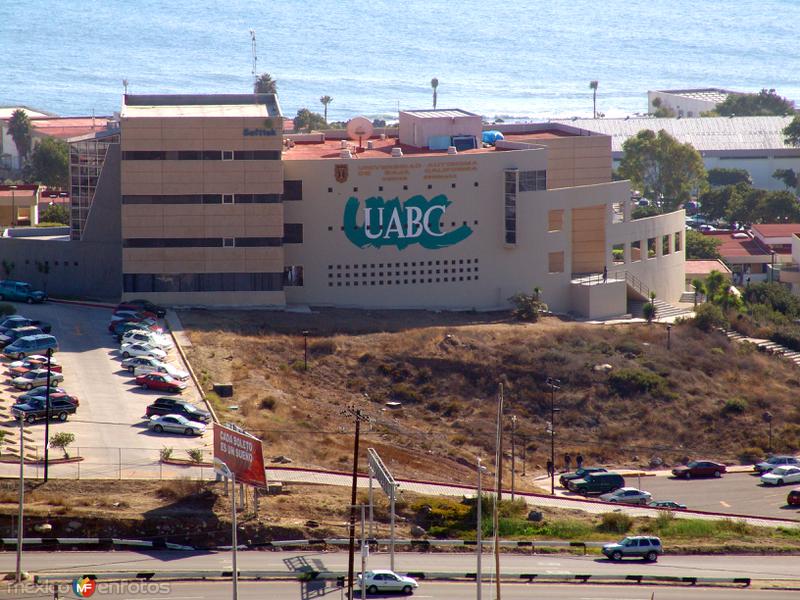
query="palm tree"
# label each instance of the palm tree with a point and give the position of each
(434, 85)
(593, 87)
(699, 289)
(325, 101)
(19, 126)
(265, 84)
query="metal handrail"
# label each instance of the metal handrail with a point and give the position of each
(630, 279)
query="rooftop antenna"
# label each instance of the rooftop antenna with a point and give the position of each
(255, 56)
(125, 85)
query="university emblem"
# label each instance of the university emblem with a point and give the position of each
(340, 172)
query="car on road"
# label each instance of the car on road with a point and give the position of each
(128, 350)
(567, 477)
(37, 409)
(640, 546)
(19, 291)
(699, 468)
(627, 495)
(596, 483)
(31, 344)
(140, 336)
(39, 392)
(35, 378)
(175, 424)
(162, 367)
(161, 382)
(775, 461)
(15, 321)
(668, 504)
(10, 335)
(173, 406)
(144, 305)
(782, 475)
(34, 361)
(384, 580)
(793, 498)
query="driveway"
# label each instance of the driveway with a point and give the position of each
(109, 430)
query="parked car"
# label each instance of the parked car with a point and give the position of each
(579, 474)
(384, 580)
(128, 316)
(39, 392)
(175, 424)
(147, 337)
(699, 468)
(15, 321)
(794, 497)
(597, 483)
(34, 361)
(36, 409)
(639, 546)
(627, 495)
(775, 461)
(62, 396)
(118, 328)
(123, 309)
(161, 382)
(781, 475)
(666, 504)
(162, 367)
(128, 350)
(35, 378)
(136, 361)
(19, 291)
(31, 344)
(173, 406)
(145, 305)
(11, 335)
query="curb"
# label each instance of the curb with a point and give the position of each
(83, 303)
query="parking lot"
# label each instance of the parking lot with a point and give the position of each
(110, 432)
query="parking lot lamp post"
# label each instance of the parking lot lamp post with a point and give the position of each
(18, 577)
(669, 337)
(554, 385)
(479, 531)
(13, 206)
(47, 415)
(768, 420)
(305, 350)
(513, 454)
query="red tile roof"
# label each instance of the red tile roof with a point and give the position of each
(768, 230)
(704, 267)
(733, 247)
(67, 127)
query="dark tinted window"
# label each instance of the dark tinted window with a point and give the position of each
(292, 233)
(293, 190)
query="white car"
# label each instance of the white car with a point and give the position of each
(128, 350)
(161, 367)
(140, 336)
(384, 580)
(175, 424)
(627, 495)
(33, 359)
(35, 378)
(781, 475)
(131, 363)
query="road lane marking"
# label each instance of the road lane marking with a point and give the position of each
(725, 504)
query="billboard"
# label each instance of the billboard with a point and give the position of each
(241, 453)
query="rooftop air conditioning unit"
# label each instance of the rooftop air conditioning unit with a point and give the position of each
(345, 153)
(452, 150)
(370, 145)
(383, 136)
(343, 144)
(397, 152)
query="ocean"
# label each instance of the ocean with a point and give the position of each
(519, 59)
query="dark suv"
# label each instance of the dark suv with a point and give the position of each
(596, 483)
(639, 546)
(579, 474)
(172, 406)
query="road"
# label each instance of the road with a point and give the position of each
(756, 567)
(108, 427)
(427, 591)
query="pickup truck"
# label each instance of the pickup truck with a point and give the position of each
(36, 409)
(15, 321)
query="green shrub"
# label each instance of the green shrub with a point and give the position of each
(165, 453)
(708, 317)
(789, 337)
(628, 346)
(403, 392)
(627, 382)
(753, 454)
(615, 523)
(268, 403)
(735, 406)
(7, 309)
(527, 307)
(195, 454)
(322, 347)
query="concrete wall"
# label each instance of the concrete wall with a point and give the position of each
(575, 160)
(599, 301)
(416, 130)
(683, 106)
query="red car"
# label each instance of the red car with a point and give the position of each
(161, 382)
(794, 497)
(68, 397)
(699, 468)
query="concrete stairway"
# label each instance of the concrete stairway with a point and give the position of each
(663, 309)
(688, 296)
(766, 346)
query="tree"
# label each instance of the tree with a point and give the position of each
(662, 112)
(716, 202)
(708, 317)
(779, 207)
(745, 207)
(265, 84)
(699, 246)
(593, 87)
(720, 177)
(527, 307)
(662, 167)
(764, 103)
(788, 177)
(50, 160)
(434, 85)
(61, 440)
(325, 101)
(8, 267)
(308, 121)
(699, 289)
(650, 310)
(55, 213)
(716, 284)
(19, 126)
(792, 132)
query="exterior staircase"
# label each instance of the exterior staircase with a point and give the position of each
(688, 296)
(663, 309)
(765, 346)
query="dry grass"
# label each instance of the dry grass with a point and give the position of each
(445, 370)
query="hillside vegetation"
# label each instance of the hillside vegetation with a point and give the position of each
(625, 399)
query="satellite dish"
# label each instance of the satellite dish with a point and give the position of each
(359, 128)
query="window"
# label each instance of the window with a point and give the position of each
(203, 282)
(555, 220)
(532, 181)
(677, 241)
(228, 242)
(651, 247)
(227, 198)
(636, 251)
(292, 233)
(293, 276)
(555, 261)
(293, 190)
(227, 155)
(511, 176)
(665, 245)
(618, 254)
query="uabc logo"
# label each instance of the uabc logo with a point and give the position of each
(84, 587)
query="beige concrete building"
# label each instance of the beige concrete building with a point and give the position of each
(19, 205)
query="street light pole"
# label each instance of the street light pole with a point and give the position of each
(554, 385)
(479, 532)
(18, 577)
(358, 416)
(47, 415)
(305, 350)
(513, 454)
(669, 337)
(767, 416)
(234, 538)
(13, 206)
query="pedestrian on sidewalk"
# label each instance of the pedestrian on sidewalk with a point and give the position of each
(567, 461)
(549, 468)
(579, 461)
(605, 274)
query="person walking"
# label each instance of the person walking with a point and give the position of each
(567, 461)
(605, 274)
(579, 461)
(549, 468)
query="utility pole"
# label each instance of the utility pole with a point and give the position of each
(364, 552)
(18, 577)
(47, 416)
(234, 538)
(358, 416)
(305, 350)
(513, 454)
(499, 481)
(255, 56)
(554, 385)
(479, 531)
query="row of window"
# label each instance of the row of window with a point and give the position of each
(201, 155)
(202, 282)
(451, 279)
(670, 242)
(204, 199)
(405, 187)
(292, 234)
(510, 187)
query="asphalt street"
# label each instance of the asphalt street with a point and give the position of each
(755, 567)
(427, 591)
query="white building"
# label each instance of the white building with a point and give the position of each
(687, 103)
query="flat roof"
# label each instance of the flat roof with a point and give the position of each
(7, 111)
(766, 230)
(68, 127)
(200, 105)
(715, 95)
(733, 247)
(704, 267)
(438, 113)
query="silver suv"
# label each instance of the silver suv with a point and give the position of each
(640, 546)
